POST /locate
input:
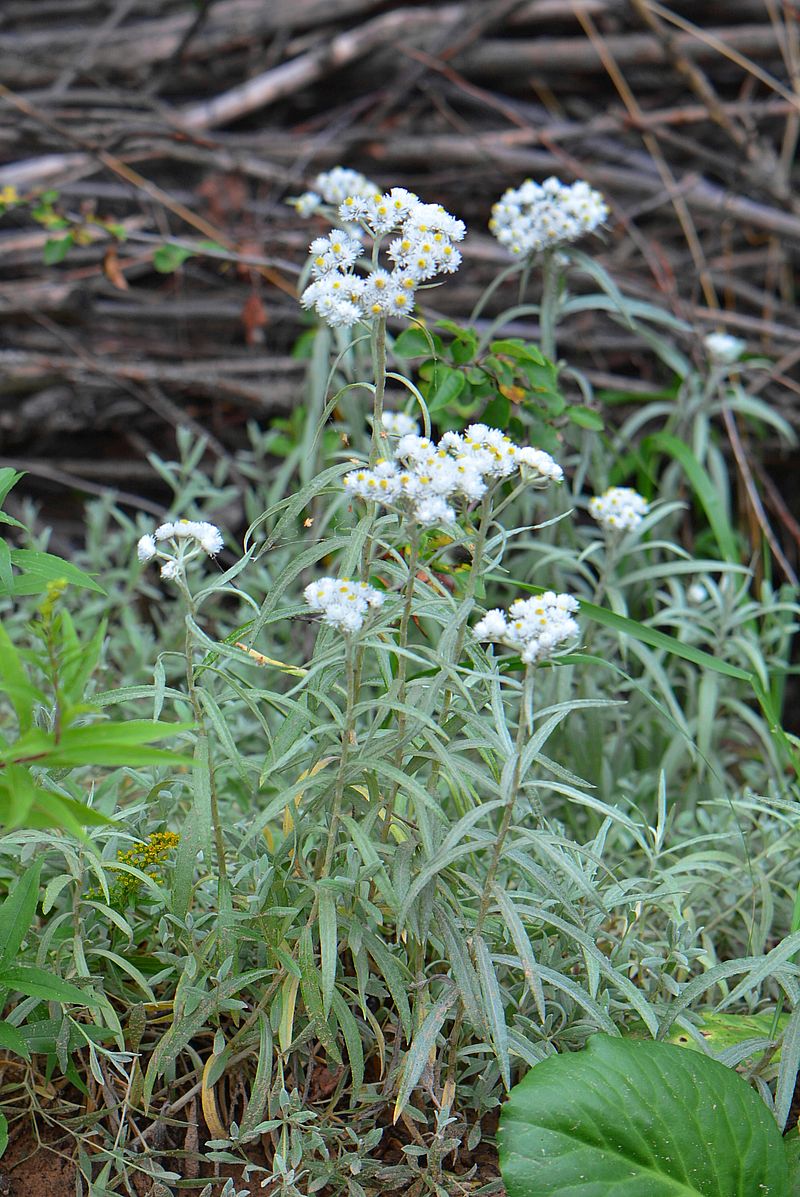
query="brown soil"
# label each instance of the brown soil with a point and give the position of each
(30, 1170)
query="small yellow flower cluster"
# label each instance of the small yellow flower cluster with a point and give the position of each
(148, 858)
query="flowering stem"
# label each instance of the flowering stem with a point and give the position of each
(548, 313)
(469, 597)
(405, 619)
(474, 574)
(524, 729)
(199, 715)
(348, 737)
(379, 376)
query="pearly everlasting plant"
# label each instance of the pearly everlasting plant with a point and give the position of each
(541, 216)
(536, 627)
(724, 349)
(341, 603)
(427, 479)
(424, 245)
(619, 509)
(331, 187)
(176, 542)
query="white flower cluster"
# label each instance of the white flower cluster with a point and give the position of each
(723, 349)
(538, 216)
(536, 627)
(619, 509)
(397, 423)
(342, 603)
(204, 535)
(426, 478)
(331, 187)
(424, 247)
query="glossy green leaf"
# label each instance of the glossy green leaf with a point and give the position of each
(629, 1118)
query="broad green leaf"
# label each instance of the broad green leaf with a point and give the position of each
(585, 417)
(725, 1030)
(635, 1118)
(168, 258)
(11, 1040)
(35, 982)
(17, 912)
(15, 683)
(520, 350)
(449, 384)
(6, 574)
(413, 342)
(56, 249)
(3, 1134)
(8, 479)
(121, 743)
(792, 1144)
(45, 567)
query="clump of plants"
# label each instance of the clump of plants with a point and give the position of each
(477, 746)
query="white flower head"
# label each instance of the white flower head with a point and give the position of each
(170, 569)
(696, 593)
(397, 423)
(724, 349)
(538, 216)
(619, 509)
(424, 246)
(536, 627)
(428, 480)
(541, 463)
(343, 604)
(179, 534)
(332, 187)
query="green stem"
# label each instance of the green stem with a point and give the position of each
(509, 271)
(348, 738)
(524, 729)
(199, 715)
(405, 620)
(548, 315)
(379, 376)
(487, 514)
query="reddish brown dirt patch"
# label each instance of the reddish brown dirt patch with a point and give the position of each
(30, 1170)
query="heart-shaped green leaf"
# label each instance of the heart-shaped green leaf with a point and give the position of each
(631, 1118)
